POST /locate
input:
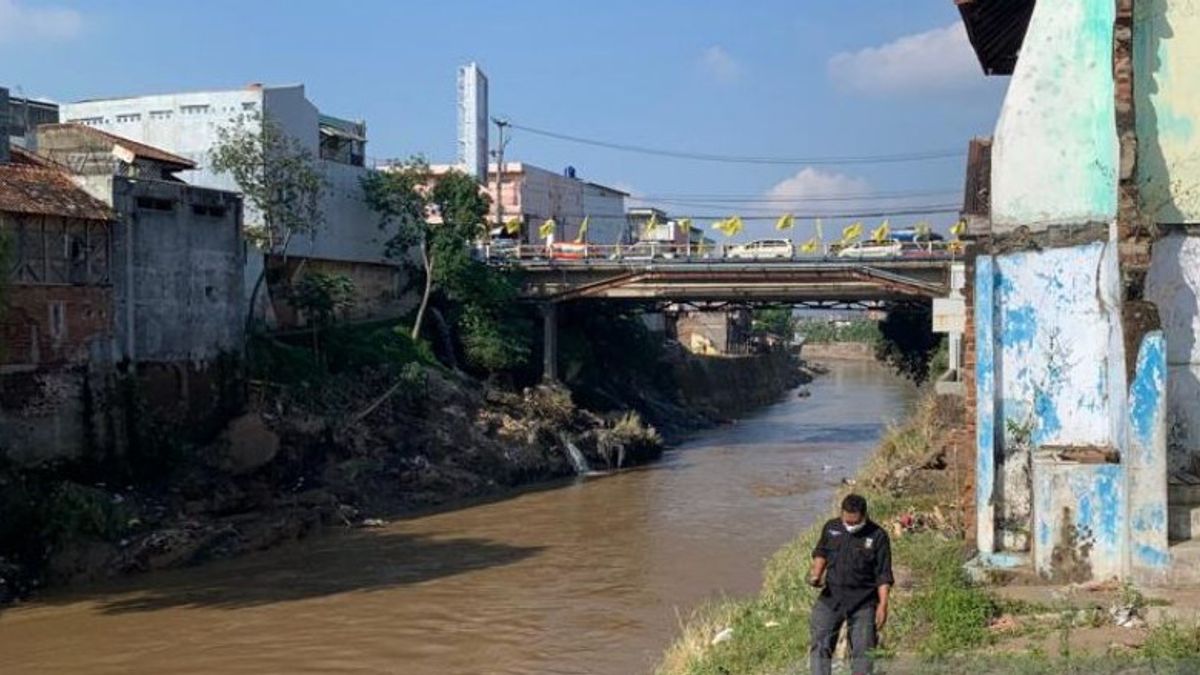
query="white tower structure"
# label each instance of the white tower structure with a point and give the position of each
(473, 121)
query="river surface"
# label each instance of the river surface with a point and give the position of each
(589, 577)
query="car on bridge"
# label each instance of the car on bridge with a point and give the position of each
(889, 248)
(762, 248)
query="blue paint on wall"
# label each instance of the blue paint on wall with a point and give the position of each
(1020, 326)
(1149, 556)
(985, 409)
(1148, 389)
(1048, 423)
(1150, 518)
(1108, 491)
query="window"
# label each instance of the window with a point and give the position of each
(58, 321)
(155, 204)
(210, 211)
(160, 114)
(129, 117)
(89, 121)
(193, 109)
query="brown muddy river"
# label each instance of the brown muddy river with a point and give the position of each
(587, 577)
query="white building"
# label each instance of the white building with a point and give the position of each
(186, 124)
(534, 195)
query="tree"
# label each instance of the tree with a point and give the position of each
(321, 296)
(777, 321)
(280, 180)
(440, 216)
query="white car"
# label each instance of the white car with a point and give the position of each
(871, 249)
(763, 248)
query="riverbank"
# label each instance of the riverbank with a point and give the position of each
(354, 452)
(942, 620)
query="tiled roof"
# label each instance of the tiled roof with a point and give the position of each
(32, 185)
(140, 150)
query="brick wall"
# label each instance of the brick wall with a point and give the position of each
(55, 325)
(965, 440)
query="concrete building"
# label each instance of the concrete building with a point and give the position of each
(178, 256)
(24, 116)
(713, 332)
(534, 195)
(1085, 302)
(666, 231)
(186, 124)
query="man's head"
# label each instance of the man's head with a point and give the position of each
(854, 512)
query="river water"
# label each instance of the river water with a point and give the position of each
(586, 577)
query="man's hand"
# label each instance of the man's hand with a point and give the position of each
(818, 569)
(881, 616)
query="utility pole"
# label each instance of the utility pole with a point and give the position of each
(501, 125)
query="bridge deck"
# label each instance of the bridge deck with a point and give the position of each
(737, 280)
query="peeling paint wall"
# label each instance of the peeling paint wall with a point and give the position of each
(1173, 285)
(1080, 515)
(1059, 109)
(1146, 462)
(1049, 371)
(1167, 94)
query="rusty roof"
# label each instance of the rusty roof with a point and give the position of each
(137, 149)
(32, 185)
(996, 29)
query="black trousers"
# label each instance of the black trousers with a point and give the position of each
(824, 626)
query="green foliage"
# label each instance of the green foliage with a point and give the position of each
(278, 176)
(348, 348)
(493, 342)
(823, 332)
(321, 296)
(1174, 641)
(907, 341)
(777, 321)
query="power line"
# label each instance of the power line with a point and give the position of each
(768, 201)
(738, 159)
(834, 197)
(915, 211)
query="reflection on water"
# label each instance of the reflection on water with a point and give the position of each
(585, 578)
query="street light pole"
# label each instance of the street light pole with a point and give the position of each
(501, 125)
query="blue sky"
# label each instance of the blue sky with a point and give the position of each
(767, 78)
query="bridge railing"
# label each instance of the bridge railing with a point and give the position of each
(645, 251)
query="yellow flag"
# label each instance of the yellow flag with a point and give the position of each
(958, 228)
(880, 234)
(651, 225)
(810, 246)
(730, 226)
(583, 228)
(785, 222)
(513, 226)
(923, 230)
(851, 233)
(547, 228)
(685, 224)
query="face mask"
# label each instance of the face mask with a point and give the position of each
(854, 528)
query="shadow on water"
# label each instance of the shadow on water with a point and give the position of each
(361, 561)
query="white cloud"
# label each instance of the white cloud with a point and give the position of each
(20, 23)
(797, 192)
(935, 60)
(719, 65)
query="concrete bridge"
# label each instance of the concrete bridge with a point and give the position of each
(815, 281)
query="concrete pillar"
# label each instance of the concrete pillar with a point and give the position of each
(985, 411)
(550, 342)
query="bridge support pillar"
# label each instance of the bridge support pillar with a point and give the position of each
(550, 342)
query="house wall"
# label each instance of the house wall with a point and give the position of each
(606, 209)
(1167, 96)
(178, 286)
(1059, 110)
(1173, 285)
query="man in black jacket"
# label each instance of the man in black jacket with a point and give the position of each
(855, 557)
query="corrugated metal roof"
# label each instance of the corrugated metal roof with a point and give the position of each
(135, 148)
(32, 185)
(996, 29)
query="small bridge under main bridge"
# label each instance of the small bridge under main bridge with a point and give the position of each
(797, 281)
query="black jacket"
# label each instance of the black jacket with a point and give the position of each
(857, 564)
